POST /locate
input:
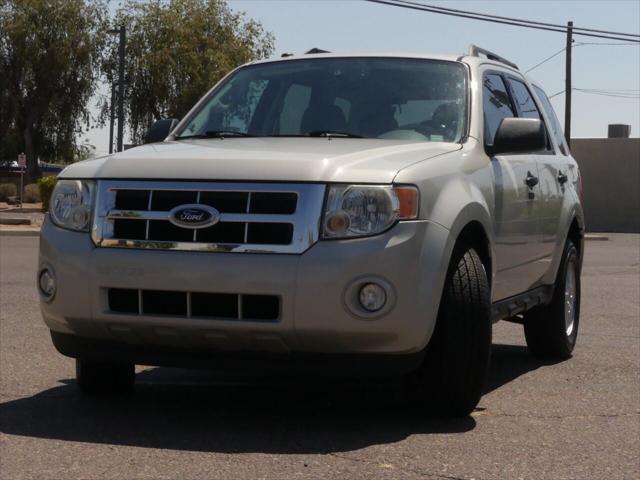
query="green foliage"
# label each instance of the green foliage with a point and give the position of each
(46, 184)
(50, 55)
(84, 152)
(176, 51)
(7, 190)
(31, 193)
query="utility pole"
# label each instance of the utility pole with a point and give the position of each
(567, 85)
(112, 115)
(121, 51)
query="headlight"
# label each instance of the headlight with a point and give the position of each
(362, 210)
(72, 203)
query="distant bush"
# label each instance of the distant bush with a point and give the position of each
(31, 193)
(46, 184)
(7, 190)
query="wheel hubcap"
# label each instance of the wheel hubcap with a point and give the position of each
(570, 298)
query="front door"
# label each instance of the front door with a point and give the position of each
(516, 200)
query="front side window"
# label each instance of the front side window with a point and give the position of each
(496, 104)
(384, 98)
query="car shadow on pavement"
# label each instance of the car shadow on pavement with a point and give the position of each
(508, 362)
(201, 411)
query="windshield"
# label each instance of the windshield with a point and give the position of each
(386, 98)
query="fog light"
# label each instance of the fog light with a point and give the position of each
(372, 297)
(47, 284)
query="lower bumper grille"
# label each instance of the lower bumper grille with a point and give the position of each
(221, 306)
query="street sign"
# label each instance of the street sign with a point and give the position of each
(22, 160)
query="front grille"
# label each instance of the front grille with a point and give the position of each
(222, 306)
(269, 203)
(257, 217)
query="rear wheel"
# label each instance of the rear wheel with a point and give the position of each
(104, 378)
(451, 380)
(551, 330)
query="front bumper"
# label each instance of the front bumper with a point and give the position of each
(314, 316)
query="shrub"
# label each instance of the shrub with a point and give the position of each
(7, 190)
(31, 193)
(46, 184)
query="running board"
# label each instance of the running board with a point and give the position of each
(512, 306)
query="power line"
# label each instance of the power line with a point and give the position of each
(608, 43)
(579, 44)
(487, 18)
(547, 59)
(607, 94)
(518, 19)
(620, 90)
(603, 93)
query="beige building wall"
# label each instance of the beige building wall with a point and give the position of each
(610, 170)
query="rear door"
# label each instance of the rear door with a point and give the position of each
(555, 173)
(516, 196)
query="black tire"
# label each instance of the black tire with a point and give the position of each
(545, 329)
(452, 378)
(104, 378)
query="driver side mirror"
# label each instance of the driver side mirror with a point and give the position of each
(160, 129)
(519, 135)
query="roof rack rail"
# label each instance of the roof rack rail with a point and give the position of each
(475, 51)
(316, 50)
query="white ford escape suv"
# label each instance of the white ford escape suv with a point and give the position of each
(341, 214)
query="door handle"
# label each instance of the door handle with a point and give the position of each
(531, 180)
(562, 178)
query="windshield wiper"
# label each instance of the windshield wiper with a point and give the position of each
(216, 134)
(332, 133)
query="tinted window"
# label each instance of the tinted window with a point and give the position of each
(386, 98)
(523, 99)
(496, 104)
(553, 118)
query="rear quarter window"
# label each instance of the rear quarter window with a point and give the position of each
(556, 128)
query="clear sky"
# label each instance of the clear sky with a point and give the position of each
(354, 25)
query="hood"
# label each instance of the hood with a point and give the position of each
(264, 159)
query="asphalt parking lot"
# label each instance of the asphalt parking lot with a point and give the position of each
(576, 419)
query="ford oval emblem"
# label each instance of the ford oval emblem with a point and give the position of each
(194, 216)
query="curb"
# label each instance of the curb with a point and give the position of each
(592, 237)
(19, 233)
(14, 221)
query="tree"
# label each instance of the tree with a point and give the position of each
(50, 54)
(176, 51)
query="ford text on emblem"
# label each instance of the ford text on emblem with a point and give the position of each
(194, 216)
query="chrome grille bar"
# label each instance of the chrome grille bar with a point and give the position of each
(224, 217)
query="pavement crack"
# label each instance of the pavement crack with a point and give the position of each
(561, 417)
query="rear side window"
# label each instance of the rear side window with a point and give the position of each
(553, 119)
(496, 104)
(524, 101)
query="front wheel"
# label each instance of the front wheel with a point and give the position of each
(551, 330)
(451, 380)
